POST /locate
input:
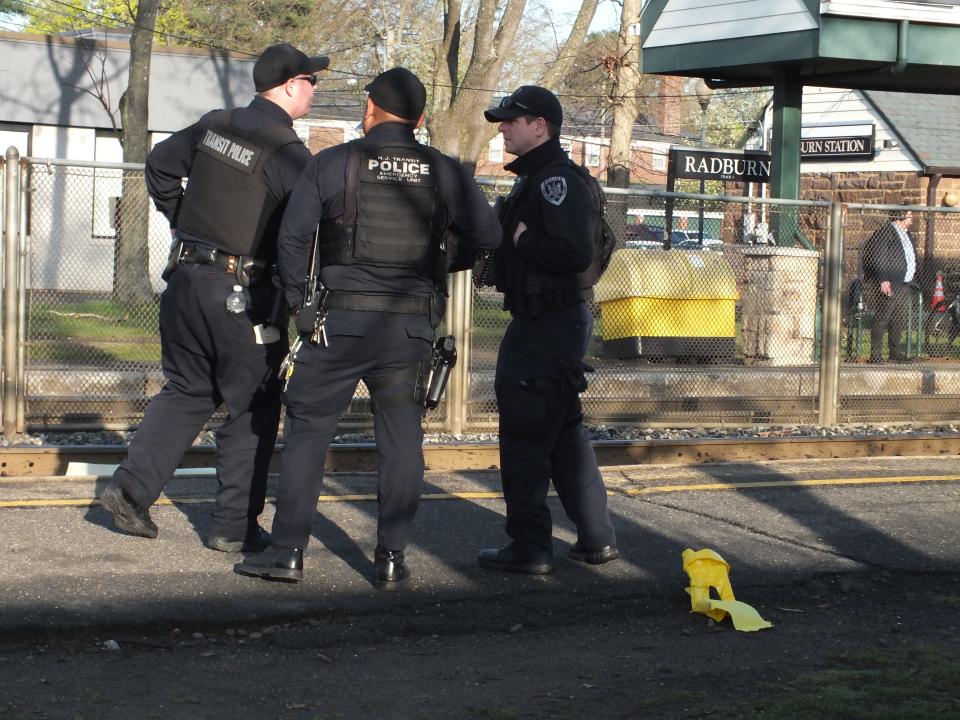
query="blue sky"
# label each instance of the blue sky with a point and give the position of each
(607, 17)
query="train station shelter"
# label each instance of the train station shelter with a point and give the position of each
(878, 45)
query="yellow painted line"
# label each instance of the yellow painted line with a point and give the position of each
(87, 502)
(792, 483)
(659, 489)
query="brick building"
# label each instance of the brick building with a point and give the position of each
(913, 159)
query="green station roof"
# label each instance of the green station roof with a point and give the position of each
(885, 45)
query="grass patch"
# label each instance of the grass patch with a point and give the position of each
(897, 684)
(93, 331)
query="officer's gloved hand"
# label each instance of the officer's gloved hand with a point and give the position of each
(573, 376)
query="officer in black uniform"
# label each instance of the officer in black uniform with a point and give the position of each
(222, 335)
(384, 204)
(545, 269)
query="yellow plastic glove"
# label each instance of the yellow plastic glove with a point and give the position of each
(706, 570)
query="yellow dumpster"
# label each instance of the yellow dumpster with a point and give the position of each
(668, 304)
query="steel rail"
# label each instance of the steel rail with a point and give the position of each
(52, 461)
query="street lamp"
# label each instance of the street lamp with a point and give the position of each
(704, 93)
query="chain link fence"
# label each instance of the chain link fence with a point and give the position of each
(719, 329)
(725, 327)
(900, 344)
(95, 250)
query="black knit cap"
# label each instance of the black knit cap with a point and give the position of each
(527, 100)
(279, 63)
(399, 92)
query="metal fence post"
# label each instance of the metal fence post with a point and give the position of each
(24, 175)
(830, 348)
(11, 257)
(460, 314)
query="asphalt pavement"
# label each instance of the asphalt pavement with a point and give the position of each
(777, 524)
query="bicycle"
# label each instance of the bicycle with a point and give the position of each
(943, 320)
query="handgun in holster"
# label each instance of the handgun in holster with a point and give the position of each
(573, 374)
(433, 374)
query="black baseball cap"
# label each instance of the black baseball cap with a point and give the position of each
(527, 100)
(399, 92)
(278, 63)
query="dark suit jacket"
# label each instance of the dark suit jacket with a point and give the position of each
(883, 257)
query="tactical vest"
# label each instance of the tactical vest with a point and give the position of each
(394, 212)
(227, 174)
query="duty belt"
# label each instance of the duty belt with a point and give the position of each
(200, 254)
(247, 270)
(406, 304)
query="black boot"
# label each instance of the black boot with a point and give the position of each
(274, 563)
(594, 557)
(514, 558)
(390, 567)
(256, 540)
(127, 514)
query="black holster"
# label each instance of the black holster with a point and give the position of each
(306, 315)
(278, 315)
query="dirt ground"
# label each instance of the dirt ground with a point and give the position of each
(533, 656)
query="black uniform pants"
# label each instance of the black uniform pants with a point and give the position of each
(890, 315)
(384, 350)
(210, 357)
(542, 435)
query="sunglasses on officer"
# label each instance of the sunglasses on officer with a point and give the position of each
(508, 103)
(312, 79)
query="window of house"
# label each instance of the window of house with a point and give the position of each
(495, 149)
(658, 162)
(591, 155)
(107, 186)
(567, 146)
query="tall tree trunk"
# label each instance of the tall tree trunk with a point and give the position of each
(457, 126)
(626, 103)
(625, 96)
(131, 281)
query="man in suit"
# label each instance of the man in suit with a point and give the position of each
(889, 265)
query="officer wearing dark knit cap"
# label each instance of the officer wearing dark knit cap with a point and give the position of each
(223, 335)
(399, 92)
(550, 222)
(382, 209)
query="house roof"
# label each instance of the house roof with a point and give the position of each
(924, 124)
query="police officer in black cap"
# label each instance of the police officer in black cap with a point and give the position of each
(386, 206)
(545, 268)
(223, 334)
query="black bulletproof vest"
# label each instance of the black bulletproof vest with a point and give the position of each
(227, 202)
(393, 211)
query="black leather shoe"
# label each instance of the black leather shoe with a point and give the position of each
(274, 563)
(593, 557)
(513, 558)
(127, 515)
(256, 540)
(391, 568)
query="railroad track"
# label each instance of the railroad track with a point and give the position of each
(52, 461)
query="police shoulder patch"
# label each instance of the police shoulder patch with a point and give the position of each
(554, 189)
